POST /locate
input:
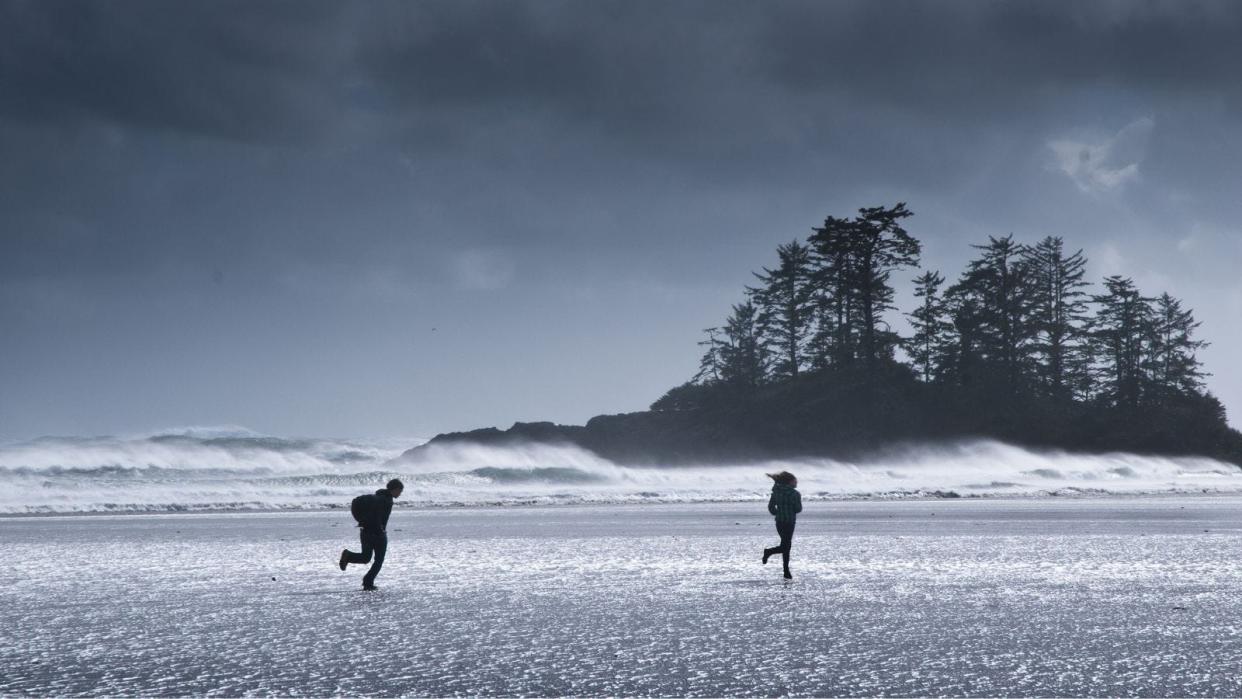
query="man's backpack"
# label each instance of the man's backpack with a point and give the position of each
(360, 508)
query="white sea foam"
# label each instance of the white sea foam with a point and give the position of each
(233, 468)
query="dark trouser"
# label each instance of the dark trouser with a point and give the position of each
(372, 542)
(785, 529)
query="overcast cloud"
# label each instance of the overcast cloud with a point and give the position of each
(366, 219)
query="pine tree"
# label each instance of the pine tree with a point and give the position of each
(965, 365)
(787, 304)
(1080, 368)
(995, 291)
(744, 353)
(857, 258)
(821, 350)
(1122, 325)
(1172, 365)
(709, 364)
(928, 347)
(883, 247)
(835, 342)
(1059, 307)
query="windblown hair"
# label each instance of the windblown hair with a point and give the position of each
(784, 477)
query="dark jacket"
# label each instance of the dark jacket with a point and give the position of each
(378, 508)
(785, 503)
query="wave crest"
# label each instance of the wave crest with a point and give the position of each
(186, 470)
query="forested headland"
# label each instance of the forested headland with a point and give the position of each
(1020, 346)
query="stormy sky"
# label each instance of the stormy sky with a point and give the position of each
(396, 219)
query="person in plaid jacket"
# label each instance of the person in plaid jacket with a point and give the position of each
(785, 504)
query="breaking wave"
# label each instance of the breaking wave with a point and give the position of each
(213, 469)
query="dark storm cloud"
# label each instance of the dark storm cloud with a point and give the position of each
(958, 58)
(237, 70)
(286, 71)
(478, 56)
(572, 99)
(282, 71)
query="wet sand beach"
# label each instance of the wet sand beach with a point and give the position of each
(971, 597)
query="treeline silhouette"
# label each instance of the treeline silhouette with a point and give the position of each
(1019, 347)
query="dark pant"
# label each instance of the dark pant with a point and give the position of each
(372, 542)
(785, 529)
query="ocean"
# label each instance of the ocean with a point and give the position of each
(233, 469)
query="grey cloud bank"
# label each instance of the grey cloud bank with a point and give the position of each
(399, 219)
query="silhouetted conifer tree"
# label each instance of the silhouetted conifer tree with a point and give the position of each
(1172, 365)
(1059, 314)
(966, 361)
(1080, 373)
(995, 293)
(930, 347)
(744, 353)
(787, 304)
(1122, 325)
(883, 247)
(858, 258)
(836, 338)
(709, 364)
(821, 350)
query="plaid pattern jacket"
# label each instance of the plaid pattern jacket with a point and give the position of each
(785, 503)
